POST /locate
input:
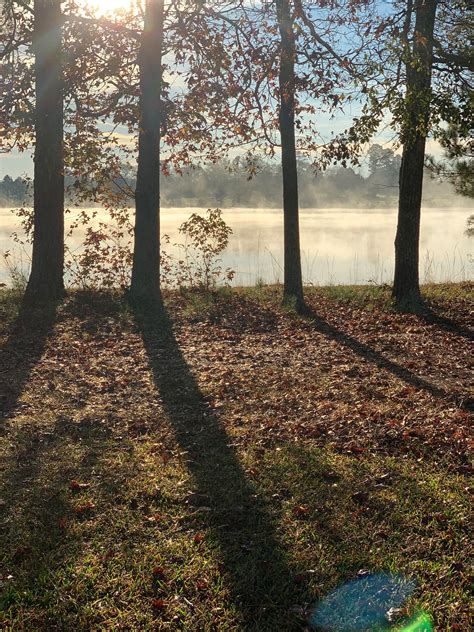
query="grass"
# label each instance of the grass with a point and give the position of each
(366, 296)
(144, 484)
(369, 297)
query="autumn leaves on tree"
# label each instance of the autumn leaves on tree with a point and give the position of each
(192, 80)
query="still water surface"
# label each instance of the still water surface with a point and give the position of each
(338, 245)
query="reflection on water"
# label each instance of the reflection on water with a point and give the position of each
(338, 245)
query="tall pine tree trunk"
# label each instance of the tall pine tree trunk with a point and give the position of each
(293, 282)
(406, 285)
(47, 266)
(146, 255)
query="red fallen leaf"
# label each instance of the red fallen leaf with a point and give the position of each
(198, 538)
(158, 604)
(82, 509)
(62, 522)
(299, 579)
(155, 518)
(356, 449)
(300, 510)
(75, 486)
(159, 573)
(201, 584)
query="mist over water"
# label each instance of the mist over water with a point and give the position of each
(339, 245)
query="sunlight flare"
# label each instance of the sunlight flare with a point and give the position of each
(107, 7)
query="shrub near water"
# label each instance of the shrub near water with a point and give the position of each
(103, 261)
(205, 239)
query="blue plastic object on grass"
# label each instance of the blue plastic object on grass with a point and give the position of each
(362, 604)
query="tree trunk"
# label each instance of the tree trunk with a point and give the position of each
(47, 266)
(406, 286)
(146, 255)
(293, 282)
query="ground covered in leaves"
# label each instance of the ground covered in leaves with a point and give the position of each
(223, 464)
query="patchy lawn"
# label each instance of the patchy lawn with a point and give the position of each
(227, 465)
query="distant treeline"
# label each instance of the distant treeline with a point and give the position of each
(228, 185)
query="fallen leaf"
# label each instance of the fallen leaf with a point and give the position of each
(159, 573)
(300, 510)
(80, 510)
(75, 486)
(202, 585)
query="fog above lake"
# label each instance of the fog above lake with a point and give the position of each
(339, 245)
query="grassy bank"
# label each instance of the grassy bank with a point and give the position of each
(224, 465)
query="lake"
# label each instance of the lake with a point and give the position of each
(339, 245)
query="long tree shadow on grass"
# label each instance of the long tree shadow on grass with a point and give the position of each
(371, 355)
(44, 452)
(259, 579)
(23, 349)
(32, 487)
(40, 455)
(27, 506)
(448, 324)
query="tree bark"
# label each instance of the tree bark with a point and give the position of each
(406, 285)
(146, 255)
(293, 282)
(47, 265)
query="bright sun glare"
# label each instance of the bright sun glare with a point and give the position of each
(106, 7)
